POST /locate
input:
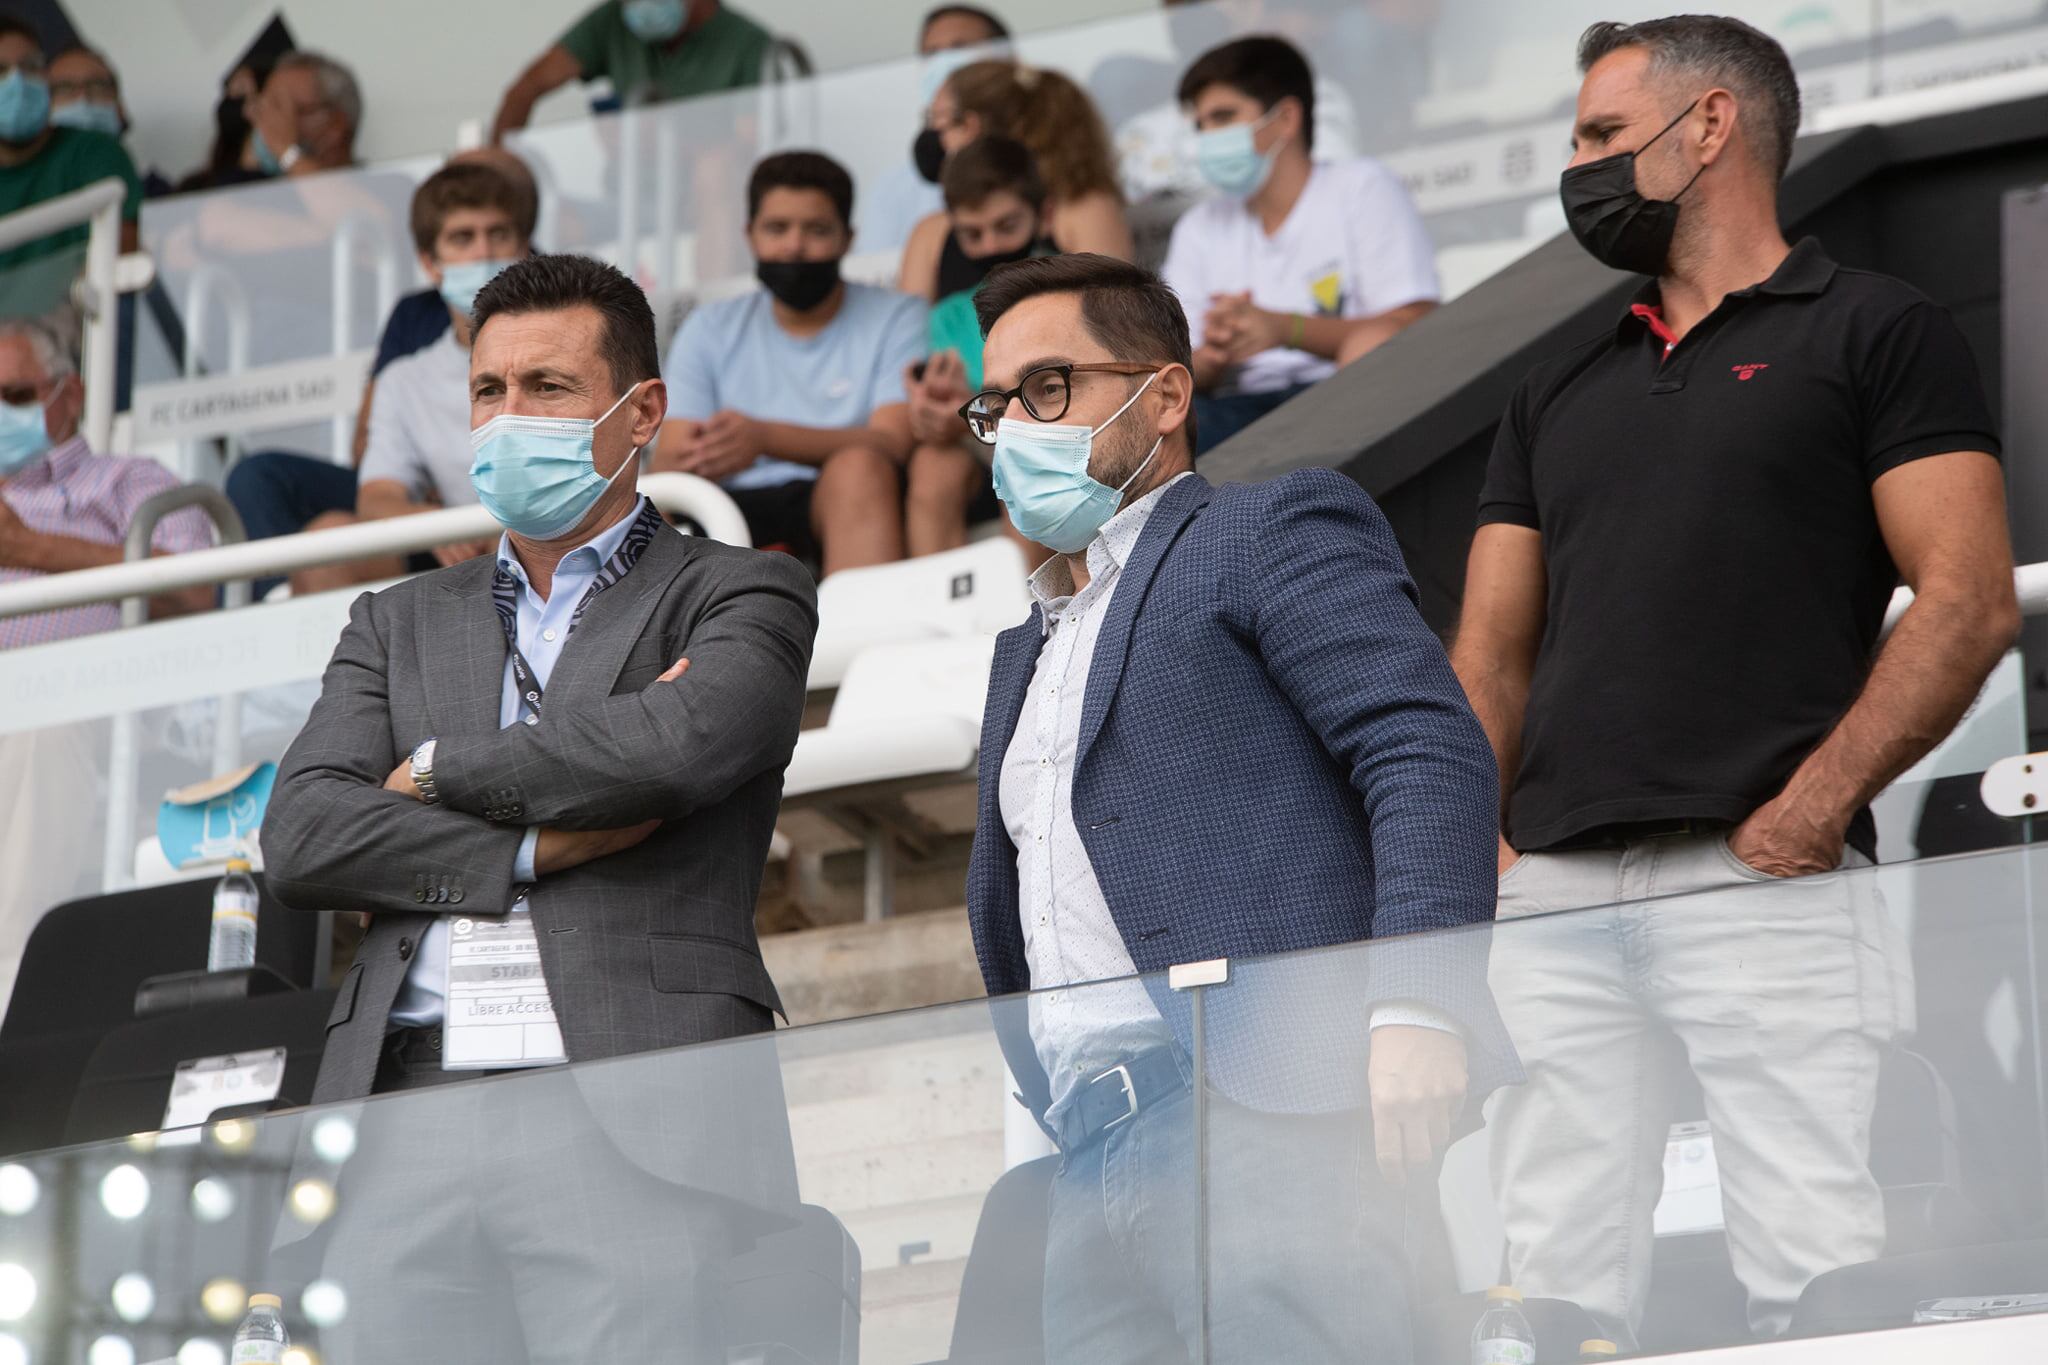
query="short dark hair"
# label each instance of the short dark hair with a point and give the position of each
(1721, 51)
(1126, 308)
(986, 166)
(1267, 68)
(550, 283)
(997, 29)
(467, 185)
(801, 171)
(14, 23)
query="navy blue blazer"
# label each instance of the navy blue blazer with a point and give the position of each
(1274, 756)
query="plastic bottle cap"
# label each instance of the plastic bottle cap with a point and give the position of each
(265, 1300)
(1504, 1291)
(239, 865)
(1597, 1347)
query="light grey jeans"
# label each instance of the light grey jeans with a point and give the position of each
(1782, 995)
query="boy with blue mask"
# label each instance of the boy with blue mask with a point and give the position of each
(1294, 267)
(41, 160)
(469, 222)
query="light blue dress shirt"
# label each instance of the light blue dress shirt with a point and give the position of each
(543, 627)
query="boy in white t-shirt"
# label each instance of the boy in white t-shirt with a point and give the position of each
(1296, 267)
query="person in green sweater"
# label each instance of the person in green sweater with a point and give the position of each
(41, 161)
(995, 211)
(650, 50)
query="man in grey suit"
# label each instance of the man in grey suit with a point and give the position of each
(557, 766)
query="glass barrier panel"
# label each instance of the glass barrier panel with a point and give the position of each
(1717, 1109)
(813, 1194)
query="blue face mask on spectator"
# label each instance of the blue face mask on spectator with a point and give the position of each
(89, 115)
(1041, 475)
(1228, 159)
(464, 280)
(24, 435)
(535, 475)
(266, 160)
(24, 106)
(654, 21)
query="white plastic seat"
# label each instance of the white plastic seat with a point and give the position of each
(908, 715)
(976, 590)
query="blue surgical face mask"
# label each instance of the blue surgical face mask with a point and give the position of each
(24, 106)
(89, 115)
(1041, 475)
(535, 475)
(464, 280)
(266, 160)
(653, 21)
(24, 436)
(1228, 159)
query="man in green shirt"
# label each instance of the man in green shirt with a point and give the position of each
(650, 50)
(39, 161)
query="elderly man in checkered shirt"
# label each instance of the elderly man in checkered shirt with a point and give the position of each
(64, 507)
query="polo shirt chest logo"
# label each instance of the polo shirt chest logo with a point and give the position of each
(1327, 291)
(1747, 371)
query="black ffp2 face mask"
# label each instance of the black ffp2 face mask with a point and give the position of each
(929, 155)
(800, 285)
(1611, 218)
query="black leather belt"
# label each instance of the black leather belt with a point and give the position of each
(1120, 1094)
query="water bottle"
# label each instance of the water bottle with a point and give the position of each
(260, 1340)
(233, 945)
(1503, 1336)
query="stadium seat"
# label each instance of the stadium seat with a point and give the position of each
(975, 590)
(907, 716)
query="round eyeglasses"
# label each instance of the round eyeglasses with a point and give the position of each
(1045, 393)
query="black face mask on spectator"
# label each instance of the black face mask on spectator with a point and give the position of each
(1610, 217)
(981, 265)
(929, 154)
(801, 285)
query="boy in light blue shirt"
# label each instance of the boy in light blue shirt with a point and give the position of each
(792, 397)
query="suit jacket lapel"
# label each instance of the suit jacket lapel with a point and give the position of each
(462, 649)
(1106, 669)
(616, 619)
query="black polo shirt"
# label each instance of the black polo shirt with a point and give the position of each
(1716, 577)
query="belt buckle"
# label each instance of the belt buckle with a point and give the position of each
(1123, 1075)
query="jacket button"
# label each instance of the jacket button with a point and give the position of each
(405, 950)
(517, 810)
(456, 895)
(419, 895)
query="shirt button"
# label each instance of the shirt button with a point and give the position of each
(548, 635)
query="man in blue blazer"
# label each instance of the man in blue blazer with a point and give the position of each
(1224, 732)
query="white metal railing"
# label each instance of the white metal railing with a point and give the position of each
(699, 499)
(95, 294)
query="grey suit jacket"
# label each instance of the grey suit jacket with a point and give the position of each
(646, 949)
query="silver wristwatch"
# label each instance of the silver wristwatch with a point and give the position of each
(423, 772)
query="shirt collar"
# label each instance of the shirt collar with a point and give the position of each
(1051, 583)
(594, 553)
(1806, 271)
(57, 464)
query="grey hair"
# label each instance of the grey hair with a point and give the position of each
(1726, 52)
(50, 353)
(336, 83)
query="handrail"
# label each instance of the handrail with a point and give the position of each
(100, 205)
(54, 215)
(227, 529)
(703, 501)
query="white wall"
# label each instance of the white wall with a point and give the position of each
(427, 65)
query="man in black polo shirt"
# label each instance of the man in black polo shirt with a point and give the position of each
(1688, 534)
